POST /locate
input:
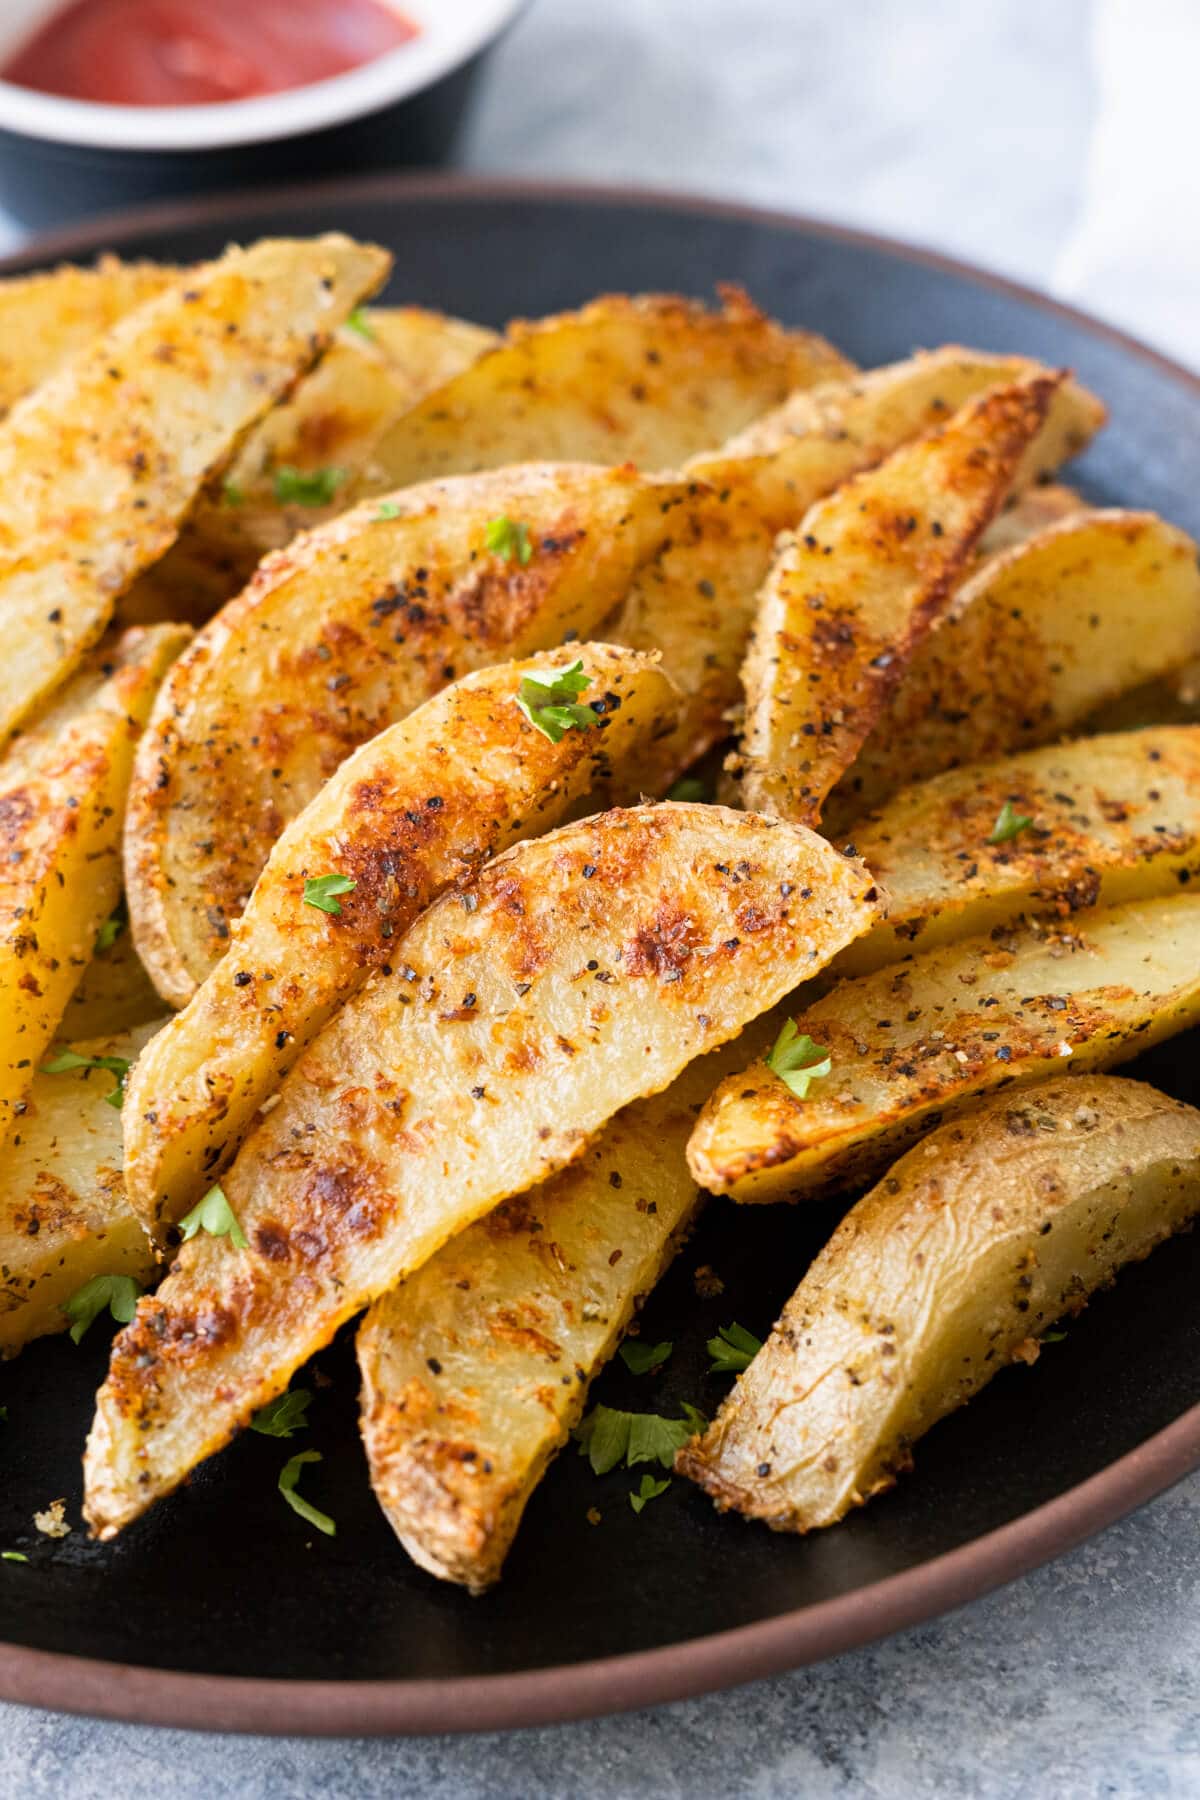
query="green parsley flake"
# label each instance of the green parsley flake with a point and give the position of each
(549, 702)
(289, 1475)
(1009, 824)
(649, 1490)
(119, 1293)
(798, 1061)
(71, 1059)
(388, 509)
(608, 1437)
(1053, 1337)
(112, 928)
(232, 494)
(643, 1359)
(690, 787)
(214, 1215)
(15, 1556)
(283, 1415)
(507, 538)
(320, 890)
(733, 1349)
(358, 321)
(306, 487)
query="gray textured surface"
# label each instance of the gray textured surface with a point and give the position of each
(974, 128)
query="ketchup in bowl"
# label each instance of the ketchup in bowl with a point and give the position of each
(197, 52)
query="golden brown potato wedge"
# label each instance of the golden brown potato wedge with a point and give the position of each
(418, 809)
(48, 318)
(115, 993)
(62, 797)
(918, 1041)
(99, 465)
(1096, 822)
(477, 1366)
(596, 963)
(1031, 511)
(1039, 637)
(862, 582)
(650, 379)
(339, 636)
(792, 457)
(63, 1215)
(973, 1245)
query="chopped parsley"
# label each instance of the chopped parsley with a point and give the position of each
(1009, 824)
(214, 1215)
(119, 1293)
(690, 787)
(649, 1490)
(19, 1555)
(797, 1061)
(71, 1059)
(232, 494)
(306, 487)
(283, 1415)
(320, 890)
(289, 1475)
(112, 927)
(388, 509)
(608, 1437)
(1053, 1337)
(643, 1359)
(507, 538)
(733, 1349)
(549, 702)
(358, 321)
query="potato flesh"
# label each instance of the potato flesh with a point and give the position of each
(418, 809)
(403, 1123)
(853, 593)
(115, 994)
(477, 1366)
(48, 318)
(339, 636)
(650, 379)
(976, 1242)
(1039, 638)
(62, 797)
(63, 1214)
(1114, 818)
(99, 465)
(919, 1040)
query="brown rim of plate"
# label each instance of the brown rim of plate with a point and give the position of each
(676, 1671)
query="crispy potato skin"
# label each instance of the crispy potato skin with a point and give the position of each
(63, 1216)
(864, 579)
(338, 636)
(62, 795)
(973, 1245)
(1041, 636)
(99, 464)
(484, 1059)
(820, 436)
(1114, 818)
(649, 379)
(418, 809)
(921, 1040)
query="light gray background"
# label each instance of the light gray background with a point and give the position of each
(1057, 141)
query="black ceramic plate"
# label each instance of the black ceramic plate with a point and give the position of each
(222, 1608)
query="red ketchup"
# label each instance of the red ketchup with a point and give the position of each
(195, 52)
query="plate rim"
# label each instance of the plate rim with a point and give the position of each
(282, 1706)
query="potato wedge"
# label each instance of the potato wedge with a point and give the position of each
(115, 993)
(976, 1242)
(99, 465)
(62, 797)
(477, 1366)
(337, 637)
(418, 809)
(1109, 819)
(485, 1061)
(921, 1040)
(63, 1215)
(862, 582)
(651, 380)
(1031, 511)
(48, 318)
(1039, 637)
(792, 457)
